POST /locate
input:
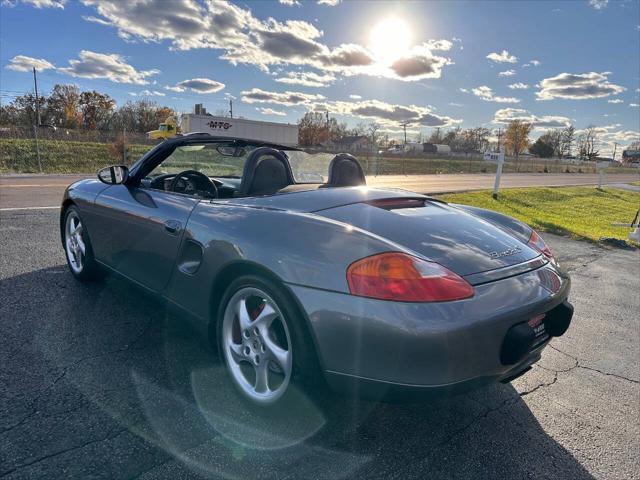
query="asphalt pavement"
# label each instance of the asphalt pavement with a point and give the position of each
(101, 381)
(29, 191)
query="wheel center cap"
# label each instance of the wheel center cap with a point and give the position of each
(256, 345)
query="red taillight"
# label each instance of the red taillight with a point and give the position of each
(403, 278)
(536, 242)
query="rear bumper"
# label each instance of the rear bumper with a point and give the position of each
(395, 350)
(400, 392)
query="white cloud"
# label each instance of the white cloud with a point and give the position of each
(270, 111)
(381, 112)
(615, 100)
(419, 63)
(109, 66)
(443, 45)
(147, 93)
(243, 38)
(329, 3)
(22, 63)
(36, 3)
(506, 115)
(387, 114)
(518, 86)
(507, 73)
(290, 3)
(355, 97)
(532, 63)
(308, 79)
(485, 93)
(578, 86)
(502, 57)
(197, 85)
(257, 95)
(634, 105)
(599, 4)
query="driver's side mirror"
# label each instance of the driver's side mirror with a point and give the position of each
(114, 175)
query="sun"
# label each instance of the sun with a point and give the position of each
(390, 39)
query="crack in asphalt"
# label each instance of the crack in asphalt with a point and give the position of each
(68, 367)
(107, 437)
(592, 369)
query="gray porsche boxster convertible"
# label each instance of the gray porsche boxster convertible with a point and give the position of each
(304, 275)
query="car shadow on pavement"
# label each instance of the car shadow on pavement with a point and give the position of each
(102, 381)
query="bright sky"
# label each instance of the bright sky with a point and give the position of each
(435, 64)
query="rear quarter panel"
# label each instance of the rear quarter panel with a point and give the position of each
(299, 248)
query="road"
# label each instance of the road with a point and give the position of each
(100, 381)
(28, 191)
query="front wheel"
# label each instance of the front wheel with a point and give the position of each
(77, 247)
(263, 340)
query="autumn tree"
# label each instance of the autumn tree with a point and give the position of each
(312, 129)
(63, 106)
(516, 138)
(21, 112)
(96, 109)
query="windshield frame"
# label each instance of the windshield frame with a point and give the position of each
(154, 157)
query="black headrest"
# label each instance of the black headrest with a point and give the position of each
(266, 171)
(345, 171)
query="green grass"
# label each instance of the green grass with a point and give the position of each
(579, 212)
(58, 156)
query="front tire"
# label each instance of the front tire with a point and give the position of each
(77, 247)
(263, 341)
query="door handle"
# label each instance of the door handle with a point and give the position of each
(172, 226)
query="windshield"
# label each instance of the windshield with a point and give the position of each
(227, 160)
(212, 159)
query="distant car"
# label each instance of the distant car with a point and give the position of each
(382, 292)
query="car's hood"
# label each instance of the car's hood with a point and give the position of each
(455, 239)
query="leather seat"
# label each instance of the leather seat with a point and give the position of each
(265, 172)
(345, 171)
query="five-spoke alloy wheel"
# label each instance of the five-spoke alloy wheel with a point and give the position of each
(74, 243)
(77, 246)
(257, 345)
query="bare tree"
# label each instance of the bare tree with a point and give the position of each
(588, 143)
(567, 139)
(372, 131)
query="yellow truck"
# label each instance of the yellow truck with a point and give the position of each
(167, 129)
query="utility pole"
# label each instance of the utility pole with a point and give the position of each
(615, 148)
(231, 108)
(327, 117)
(404, 126)
(35, 128)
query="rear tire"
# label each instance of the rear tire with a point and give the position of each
(77, 247)
(263, 341)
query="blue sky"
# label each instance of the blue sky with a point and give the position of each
(435, 64)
